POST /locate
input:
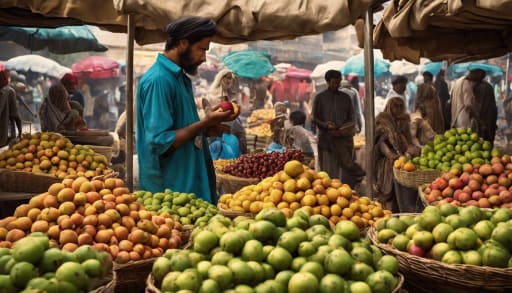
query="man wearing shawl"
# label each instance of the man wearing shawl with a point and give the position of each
(171, 140)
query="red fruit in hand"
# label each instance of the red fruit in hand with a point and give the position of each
(226, 106)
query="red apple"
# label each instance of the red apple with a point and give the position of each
(226, 106)
(449, 199)
(472, 202)
(447, 192)
(464, 197)
(484, 203)
(476, 195)
(416, 250)
(505, 159)
(505, 196)
(474, 185)
(465, 178)
(455, 183)
(477, 177)
(491, 179)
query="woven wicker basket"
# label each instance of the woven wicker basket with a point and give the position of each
(131, 275)
(231, 184)
(151, 288)
(232, 214)
(416, 178)
(422, 194)
(431, 275)
(19, 181)
(106, 285)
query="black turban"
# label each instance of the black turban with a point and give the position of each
(190, 28)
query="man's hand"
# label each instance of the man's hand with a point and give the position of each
(331, 125)
(215, 117)
(217, 130)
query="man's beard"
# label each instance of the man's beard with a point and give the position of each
(187, 64)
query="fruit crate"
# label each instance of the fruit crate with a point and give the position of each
(231, 184)
(26, 182)
(428, 275)
(416, 178)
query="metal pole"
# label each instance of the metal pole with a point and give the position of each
(507, 88)
(129, 103)
(369, 109)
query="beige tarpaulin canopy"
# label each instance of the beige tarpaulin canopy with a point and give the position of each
(238, 20)
(454, 30)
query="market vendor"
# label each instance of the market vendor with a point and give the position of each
(56, 113)
(171, 139)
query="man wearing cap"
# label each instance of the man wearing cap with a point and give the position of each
(171, 140)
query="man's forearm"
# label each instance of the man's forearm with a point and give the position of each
(185, 134)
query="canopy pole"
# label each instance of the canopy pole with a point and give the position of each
(507, 87)
(369, 108)
(129, 103)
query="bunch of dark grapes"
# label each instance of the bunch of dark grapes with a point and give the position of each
(261, 165)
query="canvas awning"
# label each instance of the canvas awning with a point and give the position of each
(454, 30)
(238, 20)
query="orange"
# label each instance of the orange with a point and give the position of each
(256, 207)
(268, 205)
(325, 211)
(308, 200)
(295, 205)
(354, 206)
(322, 199)
(246, 204)
(336, 210)
(367, 216)
(342, 202)
(282, 205)
(316, 210)
(348, 213)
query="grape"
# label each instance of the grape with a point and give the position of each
(261, 165)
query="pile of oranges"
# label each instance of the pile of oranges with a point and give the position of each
(297, 186)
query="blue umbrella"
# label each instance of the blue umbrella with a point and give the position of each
(61, 40)
(457, 70)
(249, 63)
(491, 70)
(355, 65)
(433, 67)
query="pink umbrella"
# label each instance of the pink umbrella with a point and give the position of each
(300, 73)
(96, 67)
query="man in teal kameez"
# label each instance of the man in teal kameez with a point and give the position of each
(171, 140)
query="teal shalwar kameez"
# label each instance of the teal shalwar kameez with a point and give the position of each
(165, 103)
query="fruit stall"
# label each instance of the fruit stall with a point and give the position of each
(278, 226)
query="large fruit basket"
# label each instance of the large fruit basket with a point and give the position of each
(428, 275)
(151, 288)
(416, 178)
(231, 184)
(106, 285)
(132, 275)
